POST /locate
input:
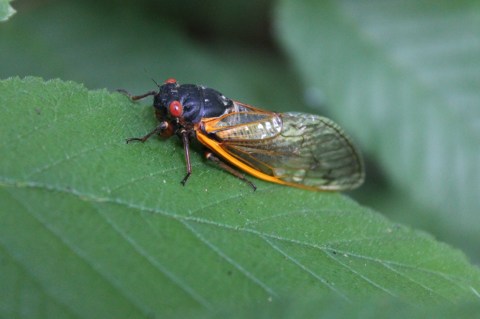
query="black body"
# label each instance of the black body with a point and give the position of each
(198, 102)
(178, 108)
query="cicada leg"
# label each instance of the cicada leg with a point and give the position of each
(210, 156)
(159, 129)
(136, 97)
(186, 144)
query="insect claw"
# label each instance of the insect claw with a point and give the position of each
(126, 93)
(131, 139)
(184, 180)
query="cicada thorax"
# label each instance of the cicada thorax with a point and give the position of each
(189, 103)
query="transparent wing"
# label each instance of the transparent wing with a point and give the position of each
(296, 148)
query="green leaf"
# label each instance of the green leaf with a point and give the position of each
(403, 77)
(336, 308)
(93, 227)
(6, 10)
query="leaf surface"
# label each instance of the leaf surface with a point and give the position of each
(91, 225)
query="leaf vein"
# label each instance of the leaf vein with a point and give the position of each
(224, 256)
(83, 257)
(305, 268)
(34, 279)
(182, 218)
(157, 265)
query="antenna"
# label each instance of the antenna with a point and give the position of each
(155, 82)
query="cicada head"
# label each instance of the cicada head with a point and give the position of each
(167, 95)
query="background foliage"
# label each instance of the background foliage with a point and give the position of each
(401, 77)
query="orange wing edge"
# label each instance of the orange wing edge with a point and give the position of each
(217, 148)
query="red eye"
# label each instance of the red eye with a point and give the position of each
(170, 81)
(176, 109)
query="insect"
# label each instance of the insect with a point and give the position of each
(296, 149)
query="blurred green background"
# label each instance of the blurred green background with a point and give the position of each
(402, 77)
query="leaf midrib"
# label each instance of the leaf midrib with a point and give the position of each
(186, 219)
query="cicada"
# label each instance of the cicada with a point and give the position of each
(295, 149)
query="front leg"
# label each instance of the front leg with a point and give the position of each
(186, 146)
(136, 97)
(158, 130)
